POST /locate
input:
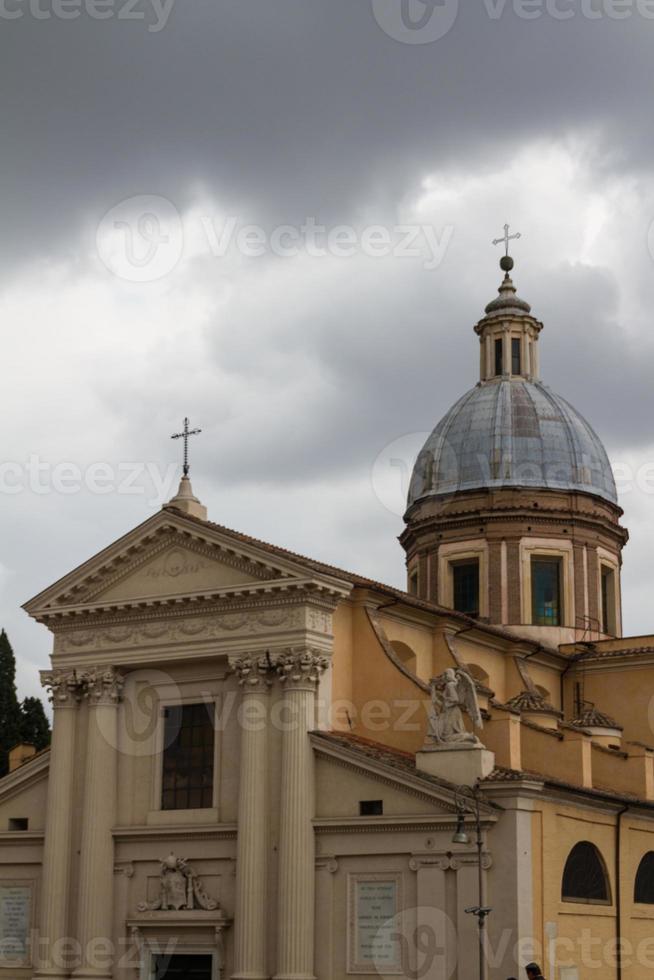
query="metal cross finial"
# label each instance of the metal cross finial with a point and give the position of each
(185, 436)
(506, 238)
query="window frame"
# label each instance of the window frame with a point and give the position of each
(462, 551)
(563, 550)
(516, 346)
(578, 899)
(461, 563)
(157, 814)
(647, 855)
(498, 356)
(555, 561)
(203, 748)
(608, 560)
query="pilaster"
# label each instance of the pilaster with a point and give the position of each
(299, 672)
(255, 676)
(103, 690)
(65, 693)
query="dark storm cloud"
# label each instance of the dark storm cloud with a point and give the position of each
(291, 107)
(300, 374)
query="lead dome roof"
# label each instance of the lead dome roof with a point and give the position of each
(512, 432)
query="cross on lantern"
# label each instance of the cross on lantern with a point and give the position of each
(506, 238)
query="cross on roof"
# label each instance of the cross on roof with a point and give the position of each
(506, 238)
(185, 436)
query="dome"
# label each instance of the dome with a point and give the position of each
(512, 432)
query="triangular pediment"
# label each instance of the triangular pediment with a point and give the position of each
(184, 570)
(173, 557)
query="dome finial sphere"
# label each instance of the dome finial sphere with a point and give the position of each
(506, 263)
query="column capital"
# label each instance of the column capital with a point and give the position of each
(103, 685)
(64, 687)
(254, 671)
(301, 668)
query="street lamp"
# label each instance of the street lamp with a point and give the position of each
(467, 802)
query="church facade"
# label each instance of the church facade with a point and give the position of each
(266, 767)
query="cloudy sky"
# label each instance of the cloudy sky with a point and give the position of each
(276, 217)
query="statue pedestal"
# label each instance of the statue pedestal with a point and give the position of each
(460, 764)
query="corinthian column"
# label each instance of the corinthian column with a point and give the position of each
(55, 883)
(251, 909)
(103, 689)
(299, 674)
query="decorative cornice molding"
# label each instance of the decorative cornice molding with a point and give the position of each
(203, 832)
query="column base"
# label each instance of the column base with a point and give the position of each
(90, 974)
(294, 976)
(250, 976)
(56, 973)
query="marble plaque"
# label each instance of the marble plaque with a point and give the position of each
(15, 916)
(374, 907)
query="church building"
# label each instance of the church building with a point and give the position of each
(263, 766)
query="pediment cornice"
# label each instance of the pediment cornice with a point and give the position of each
(92, 590)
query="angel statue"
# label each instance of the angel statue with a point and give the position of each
(452, 693)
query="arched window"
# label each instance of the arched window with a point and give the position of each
(404, 652)
(644, 887)
(584, 876)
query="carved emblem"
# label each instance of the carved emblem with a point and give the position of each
(176, 563)
(179, 888)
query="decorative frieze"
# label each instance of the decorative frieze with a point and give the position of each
(186, 626)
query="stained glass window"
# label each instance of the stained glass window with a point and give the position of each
(546, 591)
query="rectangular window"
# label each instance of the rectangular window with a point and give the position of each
(19, 823)
(516, 357)
(465, 586)
(187, 782)
(608, 601)
(499, 357)
(371, 808)
(546, 591)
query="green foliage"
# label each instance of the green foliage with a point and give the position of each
(24, 722)
(10, 713)
(35, 727)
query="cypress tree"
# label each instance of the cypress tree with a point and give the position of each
(35, 727)
(10, 713)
